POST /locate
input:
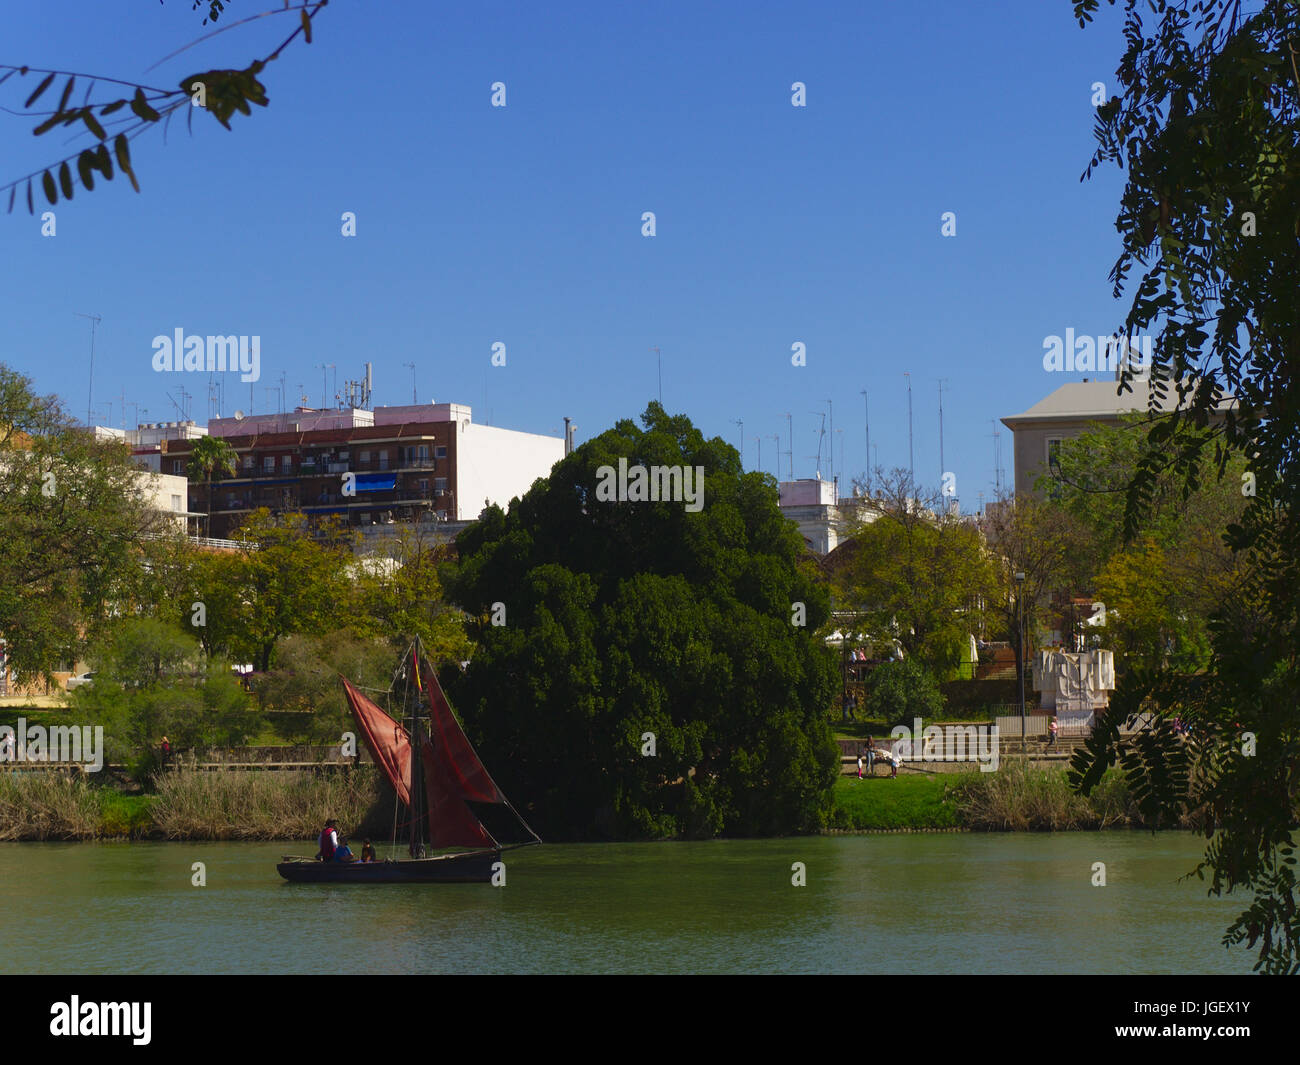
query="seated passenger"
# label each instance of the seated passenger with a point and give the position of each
(368, 852)
(344, 852)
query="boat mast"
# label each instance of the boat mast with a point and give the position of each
(418, 805)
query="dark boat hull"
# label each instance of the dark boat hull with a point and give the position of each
(473, 867)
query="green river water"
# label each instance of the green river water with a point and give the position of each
(941, 903)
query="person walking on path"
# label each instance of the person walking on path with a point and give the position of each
(1051, 730)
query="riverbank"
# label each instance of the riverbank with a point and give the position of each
(1017, 798)
(245, 805)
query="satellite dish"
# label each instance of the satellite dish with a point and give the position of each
(239, 415)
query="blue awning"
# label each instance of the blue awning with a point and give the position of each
(376, 482)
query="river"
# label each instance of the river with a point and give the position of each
(932, 903)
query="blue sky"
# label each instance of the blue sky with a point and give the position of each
(522, 224)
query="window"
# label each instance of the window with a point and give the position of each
(440, 451)
(268, 463)
(383, 458)
(364, 457)
(248, 463)
(424, 486)
(424, 452)
(176, 504)
(178, 466)
(286, 463)
(1054, 467)
(440, 485)
(1054, 454)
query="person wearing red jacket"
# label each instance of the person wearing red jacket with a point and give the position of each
(329, 841)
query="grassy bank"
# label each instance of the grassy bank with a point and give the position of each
(207, 806)
(1016, 798)
(880, 803)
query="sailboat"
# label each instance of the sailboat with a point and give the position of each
(447, 793)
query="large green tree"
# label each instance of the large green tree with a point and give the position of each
(293, 577)
(1159, 589)
(1205, 125)
(648, 668)
(1035, 550)
(72, 512)
(152, 681)
(914, 570)
(400, 595)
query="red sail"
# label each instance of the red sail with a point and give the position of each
(388, 741)
(453, 774)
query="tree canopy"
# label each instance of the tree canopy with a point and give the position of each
(914, 570)
(645, 668)
(72, 512)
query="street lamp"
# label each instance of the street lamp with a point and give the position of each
(1020, 650)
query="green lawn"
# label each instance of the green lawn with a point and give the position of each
(903, 802)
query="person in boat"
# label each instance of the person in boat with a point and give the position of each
(368, 852)
(329, 841)
(343, 853)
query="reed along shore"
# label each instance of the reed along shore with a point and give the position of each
(189, 805)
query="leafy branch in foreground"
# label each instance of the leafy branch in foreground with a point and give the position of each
(222, 92)
(1206, 127)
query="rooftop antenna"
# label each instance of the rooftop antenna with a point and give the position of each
(90, 391)
(324, 383)
(866, 421)
(821, 434)
(789, 424)
(831, 409)
(759, 441)
(741, 423)
(942, 468)
(777, 438)
(911, 461)
(661, 374)
(997, 456)
(179, 409)
(411, 366)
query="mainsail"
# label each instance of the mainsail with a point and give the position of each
(453, 775)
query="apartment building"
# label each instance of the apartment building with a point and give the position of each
(381, 466)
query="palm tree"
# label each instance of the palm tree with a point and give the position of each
(211, 456)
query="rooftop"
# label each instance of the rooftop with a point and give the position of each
(1097, 399)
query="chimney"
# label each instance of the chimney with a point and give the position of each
(568, 436)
